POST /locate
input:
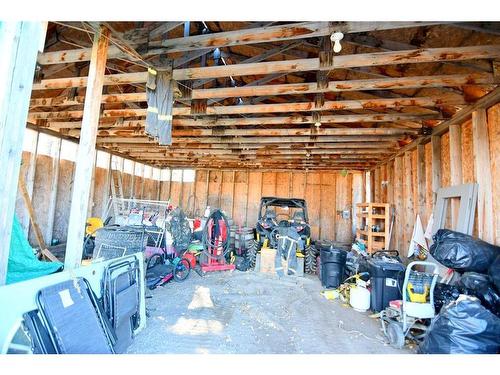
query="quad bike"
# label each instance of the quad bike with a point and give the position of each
(276, 213)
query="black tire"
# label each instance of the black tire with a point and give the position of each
(154, 260)
(251, 254)
(310, 262)
(114, 242)
(182, 270)
(395, 335)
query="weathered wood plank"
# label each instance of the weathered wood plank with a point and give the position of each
(455, 167)
(271, 108)
(19, 42)
(482, 167)
(349, 85)
(86, 150)
(291, 66)
(421, 181)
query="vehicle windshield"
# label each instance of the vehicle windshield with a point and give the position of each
(284, 212)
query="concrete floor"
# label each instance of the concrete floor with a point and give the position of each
(252, 313)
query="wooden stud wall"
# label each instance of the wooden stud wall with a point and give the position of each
(325, 193)
(413, 177)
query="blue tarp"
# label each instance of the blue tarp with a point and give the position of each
(23, 264)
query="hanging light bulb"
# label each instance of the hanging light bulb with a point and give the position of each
(317, 124)
(336, 37)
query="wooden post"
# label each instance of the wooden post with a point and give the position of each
(86, 150)
(482, 168)
(55, 155)
(398, 203)
(143, 167)
(409, 214)
(455, 167)
(19, 42)
(421, 179)
(132, 182)
(30, 181)
(436, 165)
(107, 187)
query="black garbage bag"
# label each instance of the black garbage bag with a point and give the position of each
(445, 294)
(480, 286)
(462, 252)
(494, 272)
(463, 327)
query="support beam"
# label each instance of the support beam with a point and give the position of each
(53, 185)
(452, 80)
(237, 37)
(250, 121)
(421, 180)
(30, 180)
(426, 55)
(395, 83)
(482, 168)
(396, 103)
(436, 165)
(86, 150)
(19, 42)
(117, 141)
(259, 132)
(455, 168)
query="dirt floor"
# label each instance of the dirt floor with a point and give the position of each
(252, 313)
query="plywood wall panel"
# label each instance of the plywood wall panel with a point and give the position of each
(357, 197)
(445, 160)
(269, 184)
(313, 200)
(494, 135)
(175, 192)
(64, 190)
(41, 192)
(254, 195)
(327, 214)
(201, 190)
(100, 180)
(240, 198)
(343, 228)
(428, 182)
(214, 188)
(298, 185)
(227, 192)
(283, 184)
(21, 212)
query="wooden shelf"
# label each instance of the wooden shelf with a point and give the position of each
(370, 214)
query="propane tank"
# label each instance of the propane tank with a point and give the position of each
(359, 296)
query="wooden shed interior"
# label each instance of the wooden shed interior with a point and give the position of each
(270, 109)
(346, 115)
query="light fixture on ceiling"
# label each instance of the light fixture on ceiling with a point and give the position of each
(336, 37)
(317, 124)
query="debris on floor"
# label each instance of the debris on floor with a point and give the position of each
(252, 313)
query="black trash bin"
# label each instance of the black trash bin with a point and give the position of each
(386, 280)
(332, 266)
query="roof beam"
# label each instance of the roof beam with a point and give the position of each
(396, 103)
(249, 121)
(290, 66)
(259, 132)
(351, 85)
(237, 37)
(294, 88)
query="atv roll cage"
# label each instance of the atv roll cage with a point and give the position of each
(299, 204)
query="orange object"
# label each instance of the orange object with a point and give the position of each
(190, 258)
